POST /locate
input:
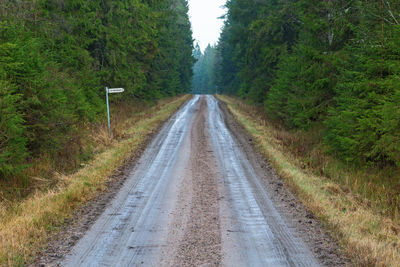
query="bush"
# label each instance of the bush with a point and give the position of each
(12, 140)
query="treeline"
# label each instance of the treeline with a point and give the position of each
(204, 70)
(56, 57)
(328, 66)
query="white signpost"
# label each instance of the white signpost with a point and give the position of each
(115, 90)
(111, 91)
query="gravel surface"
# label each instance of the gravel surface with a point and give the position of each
(318, 239)
(61, 242)
(188, 202)
(201, 242)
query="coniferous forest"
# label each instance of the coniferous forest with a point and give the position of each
(204, 70)
(314, 87)
(326, 66)
(57, 56)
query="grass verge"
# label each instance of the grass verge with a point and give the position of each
(26, 225)
(370, 237)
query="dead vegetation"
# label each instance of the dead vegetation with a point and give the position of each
(358, 205)
(25, 224)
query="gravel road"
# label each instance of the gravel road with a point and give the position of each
(199, 197)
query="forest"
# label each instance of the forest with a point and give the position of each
(314, 85)
(325, 67)
(204, 70)
(57, 56)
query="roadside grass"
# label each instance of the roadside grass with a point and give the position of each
(78, 147)
(366, 223)
(26, 225)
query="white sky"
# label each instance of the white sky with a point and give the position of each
(205, 23)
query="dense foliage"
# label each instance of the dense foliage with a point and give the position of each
(328, 65)
(56, 57)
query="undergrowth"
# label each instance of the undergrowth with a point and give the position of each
(83, 144)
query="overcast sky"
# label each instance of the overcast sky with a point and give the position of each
(205, 23)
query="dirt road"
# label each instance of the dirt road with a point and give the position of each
(194, 198)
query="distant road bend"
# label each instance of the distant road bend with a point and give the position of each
(193, 199)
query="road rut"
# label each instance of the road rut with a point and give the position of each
(193, 199)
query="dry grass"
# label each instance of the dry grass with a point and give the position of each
(26, 225)
(77, 148)
(370, 235)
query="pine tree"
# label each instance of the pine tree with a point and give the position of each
(56, 57)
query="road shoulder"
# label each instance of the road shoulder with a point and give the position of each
(294, 213)
(61, 241)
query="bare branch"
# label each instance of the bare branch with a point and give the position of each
(391, 13)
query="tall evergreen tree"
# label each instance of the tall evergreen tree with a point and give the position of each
(56, 57)
(330, 65)
(204, 73)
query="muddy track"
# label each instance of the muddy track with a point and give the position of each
(200, 195)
